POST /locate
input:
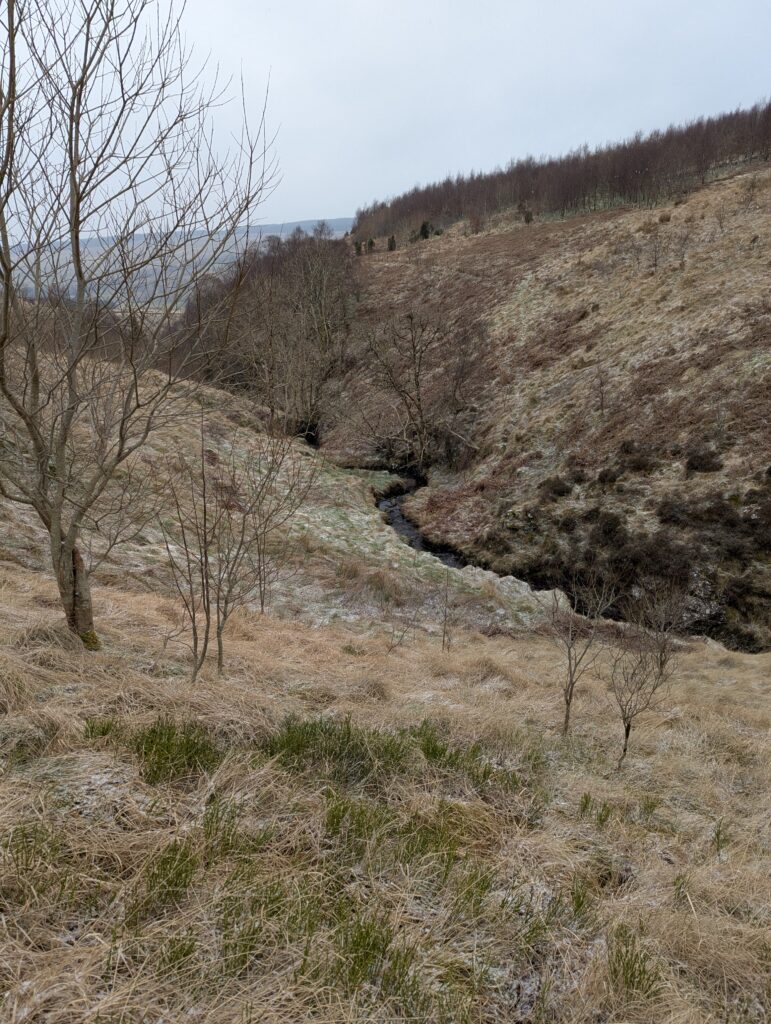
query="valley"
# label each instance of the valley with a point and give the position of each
(385, 603)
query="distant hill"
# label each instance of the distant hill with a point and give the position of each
(339, 226)
(58, 271)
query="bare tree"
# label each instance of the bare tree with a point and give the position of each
(401, 357)
(423, 397)
(447, 611)
(227, 514)
(643, 658)
(574, 628)
(189, 554)
(289, 332)
(601, 384)
(114, 210)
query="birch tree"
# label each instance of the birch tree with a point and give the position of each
(227, 539)
(115, 210)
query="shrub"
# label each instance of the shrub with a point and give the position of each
(703, 460)
(568, 523)
(554, 487)
(720, 512)
(715, 512)
(392, 243)
(759, 525)
(609, 529)
(640, 462)
(673, 511)
(608, 475)
(657, 555)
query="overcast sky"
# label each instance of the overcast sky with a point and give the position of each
(369, 97)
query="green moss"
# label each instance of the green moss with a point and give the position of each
(91, 641)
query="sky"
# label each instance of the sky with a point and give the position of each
(370, 97)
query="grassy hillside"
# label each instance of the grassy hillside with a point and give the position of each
(626, 369)
(358, 821)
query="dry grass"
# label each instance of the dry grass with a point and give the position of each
(355, 824)
(345, 831)
(650, 327)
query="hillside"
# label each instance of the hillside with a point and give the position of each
(622, 398)
(385, 613)
(643, 170)
(361, 821)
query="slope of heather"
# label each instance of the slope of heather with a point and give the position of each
(627, 369)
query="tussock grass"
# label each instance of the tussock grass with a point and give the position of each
(343, 751)
(170, 751)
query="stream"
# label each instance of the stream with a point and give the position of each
(391, 507)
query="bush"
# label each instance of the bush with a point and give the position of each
(703, 460)
(568, 523)
(554, 487)
(674, 512)
(639, 462)
(713, 512)
(608, 475)
(758, 523)
(608, 530)
(392, 243)
(658, 555)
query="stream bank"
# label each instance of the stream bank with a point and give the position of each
(390, 502)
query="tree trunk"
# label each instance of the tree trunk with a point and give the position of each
(627, 730)
(566, 720)
(75, 594)
(220, 654)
